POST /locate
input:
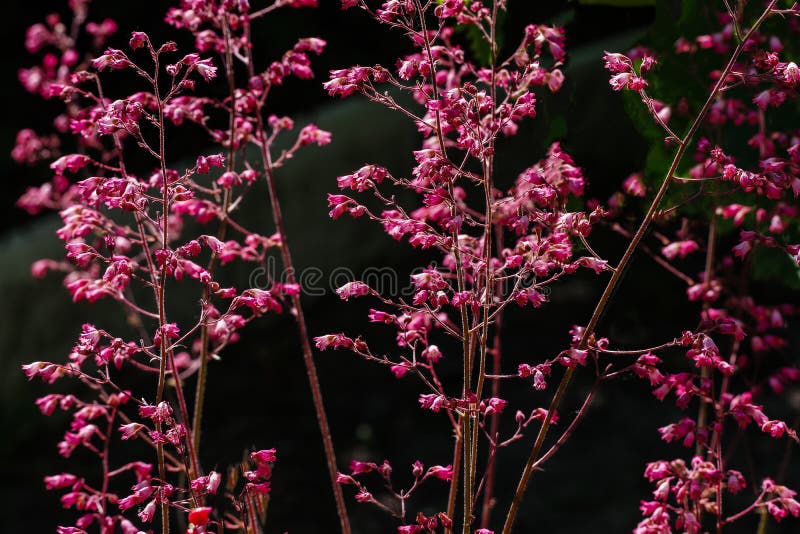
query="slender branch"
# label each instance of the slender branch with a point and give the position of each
(488, 290)
(491, 463)
(571, 428)
(758, 502)
(465, 437)
(451, 499)
(162, 317)
(308, 358)
(202, 374)
(655, 257)
(702, 416)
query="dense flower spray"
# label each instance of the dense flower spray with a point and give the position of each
(135, 224)
(499, 247)
(504, 247)
(736, 349)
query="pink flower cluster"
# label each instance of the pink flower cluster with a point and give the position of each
(737, 348)
(136, 224)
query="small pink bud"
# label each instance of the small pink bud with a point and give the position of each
(138, 40)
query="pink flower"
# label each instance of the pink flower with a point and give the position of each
(71, 162)
(679, 249)
(168, 331)
(312, 135)
(48, 372)
(530, 296)
(688, 521)
(141, 492)
(363, 496)
(377, 316)
(210, 483)
(791, 73)
(130, 430)
(637, 84)
(432, 354)
(441, 472)
(433, 402)
(160, 413)
(204, 163)
(634, 186)
(525, 105)
(264, 456)
(400, 371)
(540, 414)
(138, 40)
(492, 405)
(762, 99)
(627, 80)
(357, 468)
(333, 340)
(647, 63)
(345, 82)
(64, 480)
(353, 289)
(341, 478)
(616, 62)
(111, 58)
(342, 204)
(776, 429)
(735, 481)
(685, 429)
(539, 382)
(229, 179)
(555, 79)
(48, 404)
(363, 179)
(147, 513)
(417, 469)
(204, 67)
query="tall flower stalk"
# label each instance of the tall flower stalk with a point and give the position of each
(135, 224)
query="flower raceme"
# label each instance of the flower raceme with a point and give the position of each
(463, 110)
(134, 224)
(733, 325)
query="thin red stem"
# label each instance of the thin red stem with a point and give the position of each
(308, 358)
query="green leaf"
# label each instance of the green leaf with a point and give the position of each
(477, 42)
(772, 265)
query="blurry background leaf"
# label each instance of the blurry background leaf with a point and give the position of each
(477, 43)
(771, 265)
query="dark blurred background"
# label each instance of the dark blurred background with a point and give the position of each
(258, 394)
